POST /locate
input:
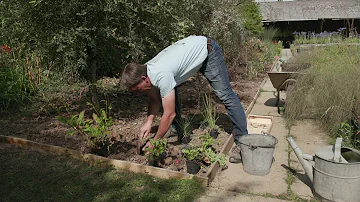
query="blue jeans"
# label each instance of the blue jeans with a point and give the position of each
(215, 71)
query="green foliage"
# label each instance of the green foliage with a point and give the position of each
(350, 134)
(204, 152)
(15, 88)
(158, 147)
(252, 18)
(328, 92)
(213, 157)
(69, 41)
(95, 131)
(269, 34)
(193, 153)
(259, 54)
(209, 112)
(207, 141)
(186, 125)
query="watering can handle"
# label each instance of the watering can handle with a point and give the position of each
(337, 150)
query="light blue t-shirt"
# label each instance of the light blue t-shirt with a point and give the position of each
(176, 63)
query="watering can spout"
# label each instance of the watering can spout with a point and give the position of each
(303, 158)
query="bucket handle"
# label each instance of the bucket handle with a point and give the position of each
(252, 148)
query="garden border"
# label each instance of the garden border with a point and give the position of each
(101, 161)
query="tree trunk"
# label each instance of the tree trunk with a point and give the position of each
(93, 90)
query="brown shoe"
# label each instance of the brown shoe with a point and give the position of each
(235, 155)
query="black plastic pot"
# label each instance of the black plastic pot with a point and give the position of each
(155, 161)
(192, 167)
(214, 133)
(185, 139)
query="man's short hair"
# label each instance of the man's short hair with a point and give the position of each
(131, 75)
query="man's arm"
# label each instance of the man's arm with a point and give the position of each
(168, 103)
(154, 104)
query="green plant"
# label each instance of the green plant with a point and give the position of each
(193, 153)
(206, 141)
(158, 148)
(15, 87)
(252, 18)
(350, 134)
(95, 131)
(209, 113)
(269, 33)
(186, 125)
(214, 157)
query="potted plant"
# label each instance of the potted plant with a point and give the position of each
(210, 117)
(211, 157)
(186, 126)
(156, 152)
(193, 156)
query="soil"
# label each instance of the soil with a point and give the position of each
(40, 124)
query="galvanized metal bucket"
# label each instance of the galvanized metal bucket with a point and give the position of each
(257, 152)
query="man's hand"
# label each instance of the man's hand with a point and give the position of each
(147, 145)
(145, 130)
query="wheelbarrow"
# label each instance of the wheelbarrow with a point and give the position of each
(283, 78)
(282, 81)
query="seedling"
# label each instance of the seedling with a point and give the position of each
(207, 141)
(213, 157)
(209, 114)
(193, 153)
(186, 126)
(157, 149)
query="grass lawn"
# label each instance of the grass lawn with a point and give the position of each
(27, 175)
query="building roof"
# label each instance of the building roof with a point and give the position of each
(303, 10)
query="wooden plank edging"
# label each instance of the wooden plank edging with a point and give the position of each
(101, 161)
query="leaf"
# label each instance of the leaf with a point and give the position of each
(81, 117)
(62, 119)
(71, 133)
(95, 117)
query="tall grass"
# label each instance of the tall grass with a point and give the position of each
(269, 33)
(329, 92)
(15, 88)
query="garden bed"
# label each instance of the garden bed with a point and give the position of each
(42, 130)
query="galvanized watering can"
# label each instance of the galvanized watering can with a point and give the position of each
(334, 171)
